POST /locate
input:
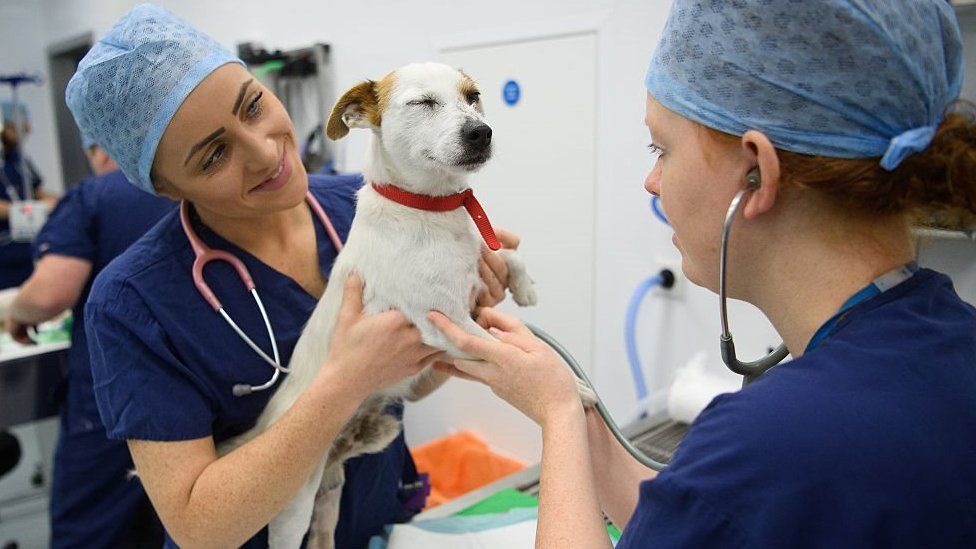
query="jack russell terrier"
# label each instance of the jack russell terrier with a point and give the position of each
(415, 241)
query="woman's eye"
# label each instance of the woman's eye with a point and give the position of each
(255, 107)
(473, 97)
(656, 151)
(214, 157)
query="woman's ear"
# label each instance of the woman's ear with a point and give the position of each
(764, 158)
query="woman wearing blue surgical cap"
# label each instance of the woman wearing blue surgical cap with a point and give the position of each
(838, 119)
(183, 118)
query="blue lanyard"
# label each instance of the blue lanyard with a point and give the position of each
(880, 285)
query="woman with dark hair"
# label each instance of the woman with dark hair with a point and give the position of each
(184, 118)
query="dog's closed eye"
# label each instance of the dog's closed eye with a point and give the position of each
(473, 97)
(429, 102)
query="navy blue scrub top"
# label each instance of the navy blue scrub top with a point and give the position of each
(868, 440)
(16, 261)
(96, 220)
(164, 363)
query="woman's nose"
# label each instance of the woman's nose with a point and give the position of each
(653, 181)
(263, 155)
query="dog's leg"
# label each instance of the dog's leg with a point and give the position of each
(428, 381)
(370, 430)
(326, 514)
(519, 281)
(286, 530)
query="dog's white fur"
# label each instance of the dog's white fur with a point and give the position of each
(410, 260)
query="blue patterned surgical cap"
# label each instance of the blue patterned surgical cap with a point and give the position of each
(839, 78)
(9, 109)
(87, 141)
(130, 84)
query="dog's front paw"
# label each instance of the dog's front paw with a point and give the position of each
(519, 281)
(587, 394)
(523, 290)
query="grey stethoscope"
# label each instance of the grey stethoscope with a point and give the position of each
(749, 370)
(205, 254)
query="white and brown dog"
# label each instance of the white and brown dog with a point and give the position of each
(428, 135)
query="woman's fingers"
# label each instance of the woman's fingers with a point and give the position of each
(478, 370)
(448, 368)
(467, 343)
(352, 300)
(526, 343)
(490, 318)
(496, 262)
(507, 239)
(493, 283)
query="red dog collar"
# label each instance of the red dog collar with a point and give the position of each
(444, 204)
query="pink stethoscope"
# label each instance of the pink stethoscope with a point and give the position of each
(205, 254)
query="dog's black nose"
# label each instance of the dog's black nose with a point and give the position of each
(476, 135)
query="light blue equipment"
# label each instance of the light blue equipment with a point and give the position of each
(658, 211)
(159, 59)
(839, 78)
(664, 279)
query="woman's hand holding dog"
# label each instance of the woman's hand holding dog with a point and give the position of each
(519, 367)
(373, 352)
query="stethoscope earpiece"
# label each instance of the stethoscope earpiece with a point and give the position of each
(753, 179)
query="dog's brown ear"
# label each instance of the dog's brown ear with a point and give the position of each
(357, 108)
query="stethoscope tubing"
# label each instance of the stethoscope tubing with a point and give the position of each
(749, 370)
(204, 255)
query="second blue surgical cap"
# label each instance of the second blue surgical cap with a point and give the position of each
(11, 111)
(839, 78)
(131, 83)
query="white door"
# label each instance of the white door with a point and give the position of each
(541, 185)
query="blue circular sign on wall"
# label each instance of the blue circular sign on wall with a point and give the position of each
(511, 93)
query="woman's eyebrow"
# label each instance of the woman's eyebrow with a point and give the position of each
(240, 96)
(203, 143)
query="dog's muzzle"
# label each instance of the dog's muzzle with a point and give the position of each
(476, 137)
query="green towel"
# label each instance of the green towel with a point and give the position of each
(511, 498)
(505, 500)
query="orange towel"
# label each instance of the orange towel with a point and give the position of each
(460, 463)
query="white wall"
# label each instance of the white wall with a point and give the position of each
(967, 22)
(370, 38)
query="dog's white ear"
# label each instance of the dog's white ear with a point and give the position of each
(357, 108)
